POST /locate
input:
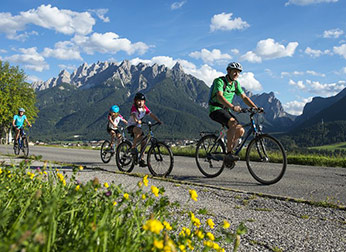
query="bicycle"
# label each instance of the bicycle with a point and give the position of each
(159, 155)
(107, 151)
(265, 156)
(21, 144)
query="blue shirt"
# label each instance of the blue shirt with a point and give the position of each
(19, 120)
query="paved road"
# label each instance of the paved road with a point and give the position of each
(305, 182)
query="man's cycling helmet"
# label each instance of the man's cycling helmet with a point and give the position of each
(139, 96)
(21, 110)
(235, 65)
(114, 109)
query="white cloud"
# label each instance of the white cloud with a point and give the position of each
(64, 50)
(32, 78)
(333, 33)
(251, 57)
(224, 22)
(210, 57)
(322, 89)
(3, 51)
(341, 50)
(297, 73)
(308, 2)
(67, 67)
(46, 16)
(100, 13)
(269, 49)
(177, 5)
(296, 107)
(30, 59)
(316, 53)
(248, 81)
(108, 43)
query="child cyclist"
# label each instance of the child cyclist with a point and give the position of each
(114, 118)
(138, 111)
(18, 123)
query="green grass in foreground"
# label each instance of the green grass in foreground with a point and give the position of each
(43, 210)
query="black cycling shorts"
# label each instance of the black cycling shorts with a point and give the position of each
(115, 130)
(222, 116)
(130, 130)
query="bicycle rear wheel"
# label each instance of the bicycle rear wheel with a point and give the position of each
(123, 157)
(106, 151)
(160, 159)
(25, 147)
(266, 159)
(209, 156)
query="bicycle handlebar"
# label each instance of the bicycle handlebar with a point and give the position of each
(252, 110)
(150, 124)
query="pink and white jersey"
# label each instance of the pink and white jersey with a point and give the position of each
(116, 120)
(139, 114)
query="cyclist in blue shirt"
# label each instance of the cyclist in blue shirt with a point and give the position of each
(18, 123)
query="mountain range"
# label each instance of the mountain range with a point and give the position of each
(77, 103)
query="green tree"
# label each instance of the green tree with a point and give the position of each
(15, 93)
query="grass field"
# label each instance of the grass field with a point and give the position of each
(332, 147)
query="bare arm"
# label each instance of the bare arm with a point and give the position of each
(224, 101)
(28, 122)
(248, 101)
(155, 118)
(13, 123)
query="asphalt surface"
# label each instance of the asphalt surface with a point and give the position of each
(273, 223)
(302, 182)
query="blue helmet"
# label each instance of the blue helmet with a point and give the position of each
(114, 109)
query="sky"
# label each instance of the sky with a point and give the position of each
(294, 48)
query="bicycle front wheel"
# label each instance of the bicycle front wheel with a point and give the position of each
(160, 159)
(266, 159)
(123, 157)
(106, 151)
(16, 148)
(25, 146)
(209, 156)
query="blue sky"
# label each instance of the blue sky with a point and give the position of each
(294, 48)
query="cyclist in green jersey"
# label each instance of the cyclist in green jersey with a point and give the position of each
(220, 104)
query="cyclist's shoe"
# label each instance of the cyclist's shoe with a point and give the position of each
(142, 163)
(229, 158)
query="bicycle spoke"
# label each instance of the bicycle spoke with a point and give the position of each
(266, 159)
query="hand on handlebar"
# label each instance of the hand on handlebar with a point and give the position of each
(237, 109)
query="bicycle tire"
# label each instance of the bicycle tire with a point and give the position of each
(123, 157)
(106, 151)
(25, 147)
(266, 159)
(16, 148)
(210, 163)
(160, 159)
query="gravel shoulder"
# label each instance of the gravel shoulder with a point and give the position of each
(274, 223)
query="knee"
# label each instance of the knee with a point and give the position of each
(232, 124)
(240, 130)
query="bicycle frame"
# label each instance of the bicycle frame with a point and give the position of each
(148, 139)
(223, 134)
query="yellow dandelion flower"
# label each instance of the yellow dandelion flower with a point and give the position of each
(45, 172)
(106, 185)
(155, 191)
(145, 180)
(81, 168)
(77, 188)
(0, 170)
(216, 246)
(208, 244)
(210, 236)
(189, 244)
(154, 226)
(226, 224)
(193, 195)
(158, 244)
(115, 203)
(126, 196)
(210, 223)
(140, 184)
(144, 196)
(200, 234)
(167, 225)
(182, 247)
